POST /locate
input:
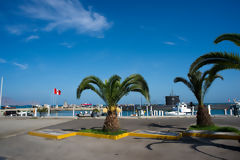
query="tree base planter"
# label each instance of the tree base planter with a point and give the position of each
(113, 137)
(211, 134)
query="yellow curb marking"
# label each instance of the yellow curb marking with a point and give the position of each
(204, 135)
(103, 136)
(158, 136)
(52, 136)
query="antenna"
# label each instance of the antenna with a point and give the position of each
(1, 92)
(171, 94)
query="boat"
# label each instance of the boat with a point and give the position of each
(180, 110)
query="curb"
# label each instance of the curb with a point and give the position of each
(207, 134)
(102, 135)
(45, 135)
(157, 136)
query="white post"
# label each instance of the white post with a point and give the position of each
(121, 112)
(147, 110)
(1, 93)
(35, 112)
(159, 114)
(192, 110)
(151, 112)
(231, 112)
(48, 110)
(225, 111)
(73, 110)
(209, 109)
(178, 109)
(162, 113)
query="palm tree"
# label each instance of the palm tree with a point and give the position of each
(234, 37)
(111, 91)
(199, 84)
(221, 60)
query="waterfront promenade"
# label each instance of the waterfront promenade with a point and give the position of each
(23, 146)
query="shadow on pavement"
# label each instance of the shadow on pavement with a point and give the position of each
(195, 143)
(166, 126)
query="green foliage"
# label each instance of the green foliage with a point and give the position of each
(215, 128)
(96, 110)
(100, 131)
(199, 83)
(235, 38)
(42, 110)
(221, 60)
(112, 90)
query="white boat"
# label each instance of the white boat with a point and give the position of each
(237, 102)
(180, 110)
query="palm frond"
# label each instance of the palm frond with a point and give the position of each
(235, 38)
(138, 80)
(222, 58)
(184, 81)
(209, 80)
(113, 90)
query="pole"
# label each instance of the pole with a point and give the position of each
(1, 93)
(178, 109)
(209, 109)
(147, 110)
(192, 110)
(73, 111)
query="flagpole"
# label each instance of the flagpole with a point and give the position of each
(1, 93)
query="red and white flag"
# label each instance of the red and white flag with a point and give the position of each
(57, 91)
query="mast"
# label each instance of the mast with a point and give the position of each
(1, 92)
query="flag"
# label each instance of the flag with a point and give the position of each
(228, 99)
(57, 91)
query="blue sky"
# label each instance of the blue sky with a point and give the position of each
(56, 43)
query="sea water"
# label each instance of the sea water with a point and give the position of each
(124, 113)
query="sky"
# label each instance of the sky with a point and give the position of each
(51, 44)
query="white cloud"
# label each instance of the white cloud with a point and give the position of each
(66, 14)
(16, 29)
(181, 38)
(68, 45)
(32, 37)
(21, 66)
(169, 43)
(3, 60)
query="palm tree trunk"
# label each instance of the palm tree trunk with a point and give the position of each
(203, 117)
(111, 122)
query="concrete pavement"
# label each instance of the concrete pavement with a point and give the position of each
(23, 146)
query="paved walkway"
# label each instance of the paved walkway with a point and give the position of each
(12, 126)
(24, 146)
(157, 124)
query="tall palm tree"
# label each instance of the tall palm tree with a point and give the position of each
(199, 84)
(221, 60)
(111, 91)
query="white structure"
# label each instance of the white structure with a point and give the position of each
(147, 110)
(209, 109)
(225, 111)
(48, 107)
(35, 112)
(192, 110)
(73, 111)
(180, 110)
